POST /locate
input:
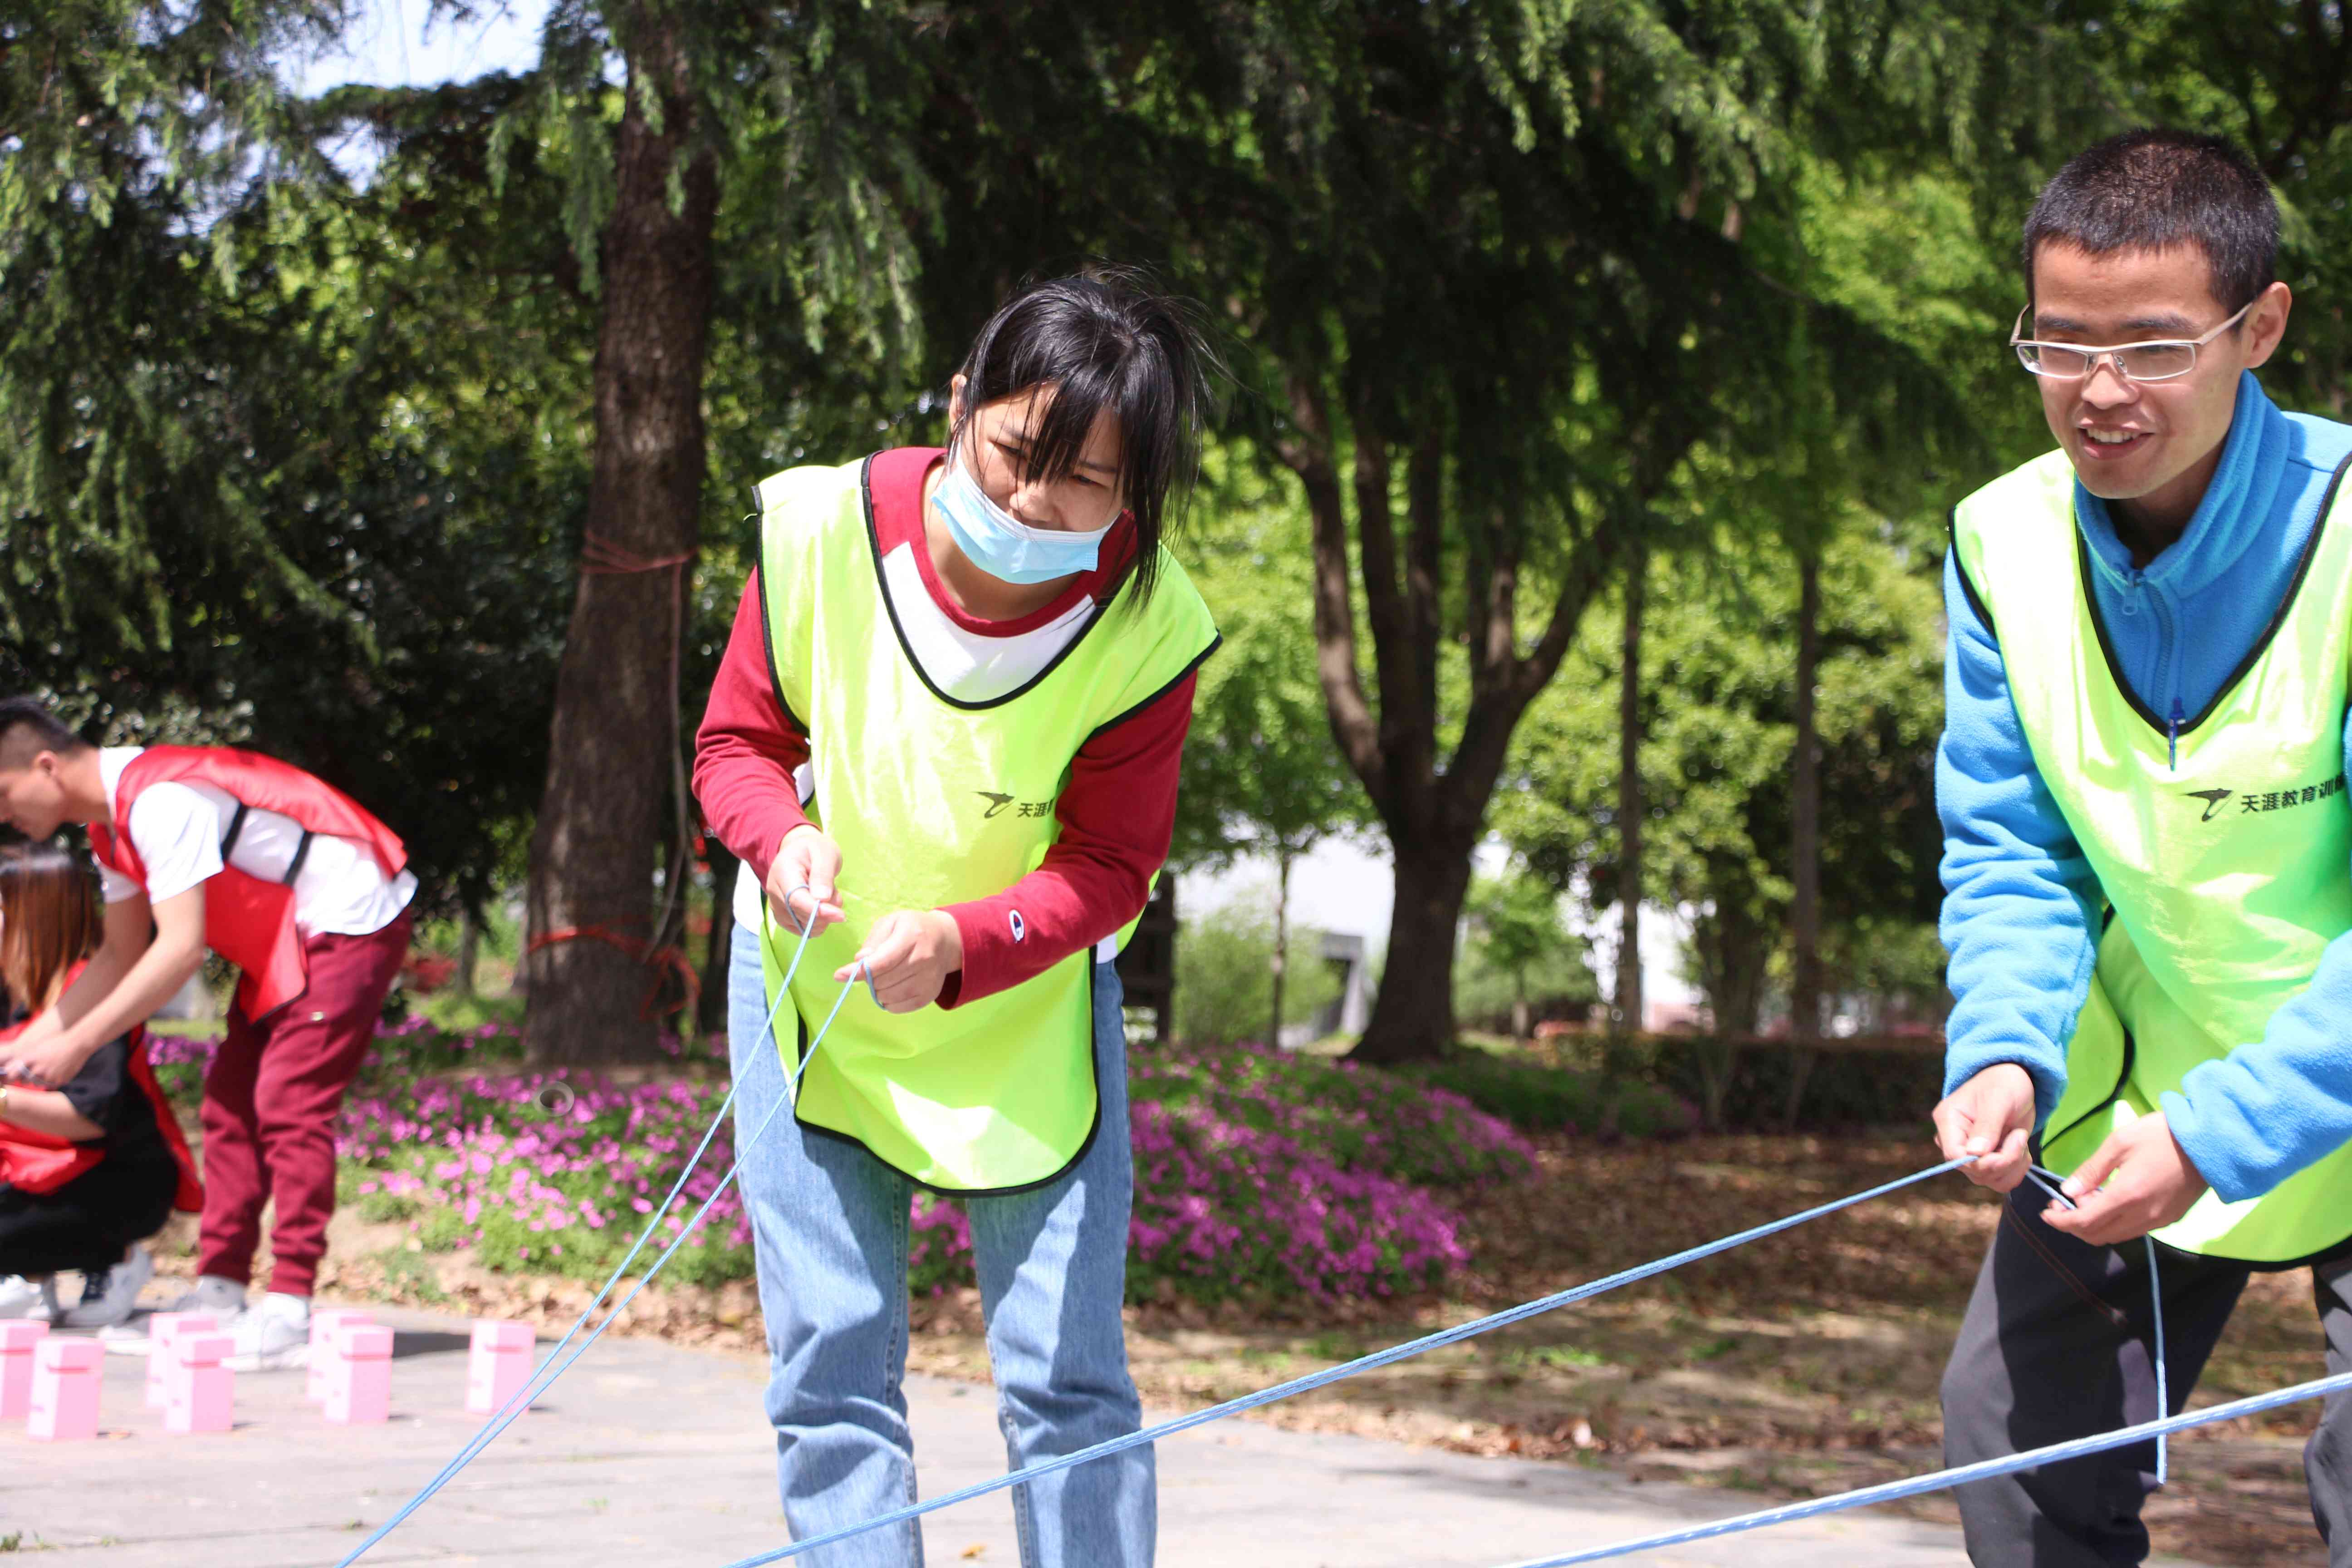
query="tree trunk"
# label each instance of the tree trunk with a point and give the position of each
(1520, 1029)
(720, 944)
(1414, 1019)
(469, 950)
(1805, 980)
(1281, 938)
(614, 732)
(1628, 1014)
(1432, 806)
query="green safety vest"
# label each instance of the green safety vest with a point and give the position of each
(934, 802)
(2226, 870)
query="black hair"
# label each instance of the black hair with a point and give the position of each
(1105, 342)
(2155, 188)
(27, 729)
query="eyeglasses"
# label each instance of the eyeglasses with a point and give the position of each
(2159, 359)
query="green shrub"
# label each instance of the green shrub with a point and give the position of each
(1224, 975)
(1893, 1087)
(1540, 1098)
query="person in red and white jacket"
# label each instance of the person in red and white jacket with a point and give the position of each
(287, 878)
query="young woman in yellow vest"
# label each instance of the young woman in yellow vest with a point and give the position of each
(2148, 848)
(946, 734)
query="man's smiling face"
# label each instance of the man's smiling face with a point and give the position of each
(2151, 445)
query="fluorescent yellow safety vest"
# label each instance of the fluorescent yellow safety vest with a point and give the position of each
(2224, 852)
(936, 801)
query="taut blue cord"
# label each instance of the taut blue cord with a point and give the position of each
(543, 1378)
(2163, 1404)
(1333, 1374)
(1982, 1470)
(2049, 1181)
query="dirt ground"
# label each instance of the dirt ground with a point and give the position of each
(1803, 1365)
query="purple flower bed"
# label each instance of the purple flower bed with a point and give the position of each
(1257, 1174)
(1358, 1118)
(476, 1162)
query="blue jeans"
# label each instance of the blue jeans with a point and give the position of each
(829, 1225)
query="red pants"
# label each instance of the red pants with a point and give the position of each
(270, 1102)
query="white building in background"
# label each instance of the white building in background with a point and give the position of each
(1669, 1000)
(1347, 889)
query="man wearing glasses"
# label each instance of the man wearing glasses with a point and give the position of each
(2148, 858)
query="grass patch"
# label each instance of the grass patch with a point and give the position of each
(413, 1274)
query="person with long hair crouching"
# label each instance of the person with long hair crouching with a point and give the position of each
(91, 1168)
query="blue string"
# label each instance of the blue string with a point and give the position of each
(2044, 1177)
(545, 1375)
(1891, 1491)
(1333, 1374)
(2163, 1404)
(2048, 1180)
(1982, 1470)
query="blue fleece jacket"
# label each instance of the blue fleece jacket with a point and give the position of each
(2021, 902)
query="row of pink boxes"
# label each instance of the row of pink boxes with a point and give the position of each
(52, 1384)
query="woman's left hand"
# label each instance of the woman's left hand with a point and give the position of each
(908, 958)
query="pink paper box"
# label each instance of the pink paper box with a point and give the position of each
(199, 1400)
(18, 1339)
(65, 1391)
(499, 1366)
(161, 1329)
(359, 1387)
(323, 1327)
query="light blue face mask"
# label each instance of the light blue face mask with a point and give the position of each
(1002, 545)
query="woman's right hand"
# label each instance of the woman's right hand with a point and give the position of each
(801, 879)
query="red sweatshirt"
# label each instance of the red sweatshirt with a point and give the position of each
(1116, 813)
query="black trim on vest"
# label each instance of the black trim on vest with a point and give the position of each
(882, 587)
(767, 645)
(236, 831)
(1216, 641)
(2083, 569)
(2114, 1091)
(1967, 584)
(301, 853)
(2329, 1254)
(1086, 1145)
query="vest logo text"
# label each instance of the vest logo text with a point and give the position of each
(1000, 803)
(2253, 801)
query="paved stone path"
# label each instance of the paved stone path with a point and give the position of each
(651, 1454)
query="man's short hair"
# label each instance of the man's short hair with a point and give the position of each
(27, 729)
(2157, 188)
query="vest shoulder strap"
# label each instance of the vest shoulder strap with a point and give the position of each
(236, 831)
(2025, 522)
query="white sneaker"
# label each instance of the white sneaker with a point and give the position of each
(211, 1293)
(107, 1297)
(272, 1335)
(33, 1299)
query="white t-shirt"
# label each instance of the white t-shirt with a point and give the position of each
(972, 666)
(177, 827)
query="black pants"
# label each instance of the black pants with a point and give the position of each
(2058, 1343)
(87, 1224)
